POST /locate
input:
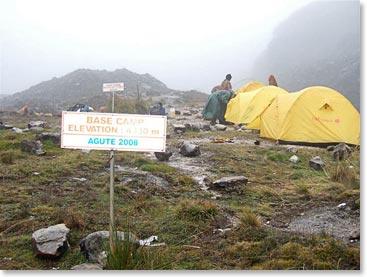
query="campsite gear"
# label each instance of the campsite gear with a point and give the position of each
(172, 113)
(246, 107)
(250, 86)
(157, 109)
(216, 105)
(81, 108)
(222, 140)
(314, 115)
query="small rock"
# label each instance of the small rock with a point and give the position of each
(178, 127)
(341, 151)
(163, 156)
(316, 163)
(186, 113)
(355, 234)
(205, 126)
(189, 150)
(294, 159)
(226, 183)
(17, 130)
(41, 124)
(292, 149)
(220, 127)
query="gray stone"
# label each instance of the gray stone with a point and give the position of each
(163, 156)
(6, 127)
(186, 113)
(189, 150)
(205, 126)
(341, 151)
(292, 149)
(294, 159)
(54, 137)
(228, 183)
(51, 242)
(316, 163)
(33, 147)
(178, 127)
(37, 129)
(220, 127)
(195, 127)
(17, 130)
(355, 234)
(41, 124)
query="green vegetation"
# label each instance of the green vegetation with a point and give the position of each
(199, 232)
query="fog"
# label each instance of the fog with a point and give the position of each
(188, 44)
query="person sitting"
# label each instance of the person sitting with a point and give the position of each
(225, 85)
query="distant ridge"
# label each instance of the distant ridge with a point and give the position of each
(318, 45)
(85, 86)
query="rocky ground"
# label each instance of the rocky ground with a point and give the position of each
(339, 221)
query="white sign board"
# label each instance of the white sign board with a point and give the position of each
(112, 131)
(111, 87)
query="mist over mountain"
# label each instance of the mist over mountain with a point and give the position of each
(85, 86)
(318, 45)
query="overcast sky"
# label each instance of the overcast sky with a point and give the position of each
(186, 44)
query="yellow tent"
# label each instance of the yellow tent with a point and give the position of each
(250, 86)
(246, 107)
(312, 115)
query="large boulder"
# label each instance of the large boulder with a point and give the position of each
(54, 137)
(34, 147)
(50, 242)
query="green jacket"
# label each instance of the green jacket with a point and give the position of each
(216, 105)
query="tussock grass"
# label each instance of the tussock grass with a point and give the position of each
(345, 173)
(8, 157)
(196, 210)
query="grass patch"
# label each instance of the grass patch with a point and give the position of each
(38, 192)
(196, 210)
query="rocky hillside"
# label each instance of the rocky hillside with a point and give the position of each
(317, 45)
(85, 86)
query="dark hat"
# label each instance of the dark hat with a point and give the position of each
(228, 76)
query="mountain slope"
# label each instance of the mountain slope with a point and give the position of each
(85, 86)
(317, 45)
